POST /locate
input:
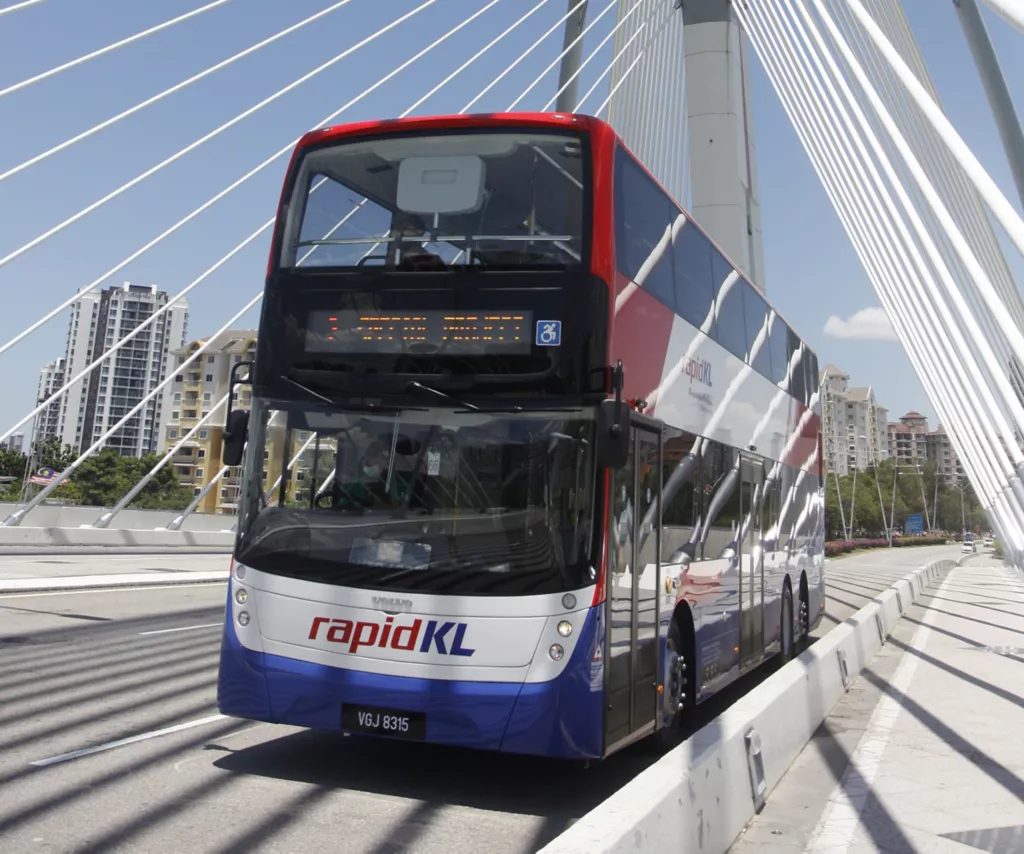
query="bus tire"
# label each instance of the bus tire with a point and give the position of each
(787, 627)
(681, 642)
(803, 628)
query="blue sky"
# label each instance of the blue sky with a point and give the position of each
(812, 271)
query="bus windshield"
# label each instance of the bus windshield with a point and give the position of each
(425, 202)
(431, 500)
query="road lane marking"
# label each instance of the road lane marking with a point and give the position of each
(842, 816)
(183, 629)
(121, 742)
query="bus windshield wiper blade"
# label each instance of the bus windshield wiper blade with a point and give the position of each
(420, 387)
(363, 406)
(308, 390)
(469, 407)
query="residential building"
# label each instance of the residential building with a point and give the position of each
(854, 433)
(15, 442)
(51, 378)
(908, 439)
(939, 449)
(200, 392)
(99, 320)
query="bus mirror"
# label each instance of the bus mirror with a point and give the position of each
(613, 434)
(234, 437)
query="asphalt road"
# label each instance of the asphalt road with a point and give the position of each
(81, 670)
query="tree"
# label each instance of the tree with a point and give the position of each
(12, 463)
(51, 452)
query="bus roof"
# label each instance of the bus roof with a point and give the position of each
(566, 121)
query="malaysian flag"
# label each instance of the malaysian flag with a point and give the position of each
(44, 476)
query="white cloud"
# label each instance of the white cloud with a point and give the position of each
(868, 324)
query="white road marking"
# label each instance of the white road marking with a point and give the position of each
(841, 818)
(182, 629)
(110, 745)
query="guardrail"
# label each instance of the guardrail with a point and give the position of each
(701, 795)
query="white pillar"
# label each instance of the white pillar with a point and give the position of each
(723, 161)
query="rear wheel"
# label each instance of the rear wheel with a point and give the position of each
(786, 626)
(803, 623)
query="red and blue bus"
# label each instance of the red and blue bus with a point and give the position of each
(530, 466)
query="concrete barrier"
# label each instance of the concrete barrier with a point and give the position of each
(701, 795)
(24, 539)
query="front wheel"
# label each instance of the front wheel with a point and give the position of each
(678, 692)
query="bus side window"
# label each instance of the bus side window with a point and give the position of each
(731, 325)
(644, 215)
(781, 357)
(755, 313)
(798, 386)
(695, 288)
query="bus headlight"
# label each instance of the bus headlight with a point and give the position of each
(241, 596)
(556, 652)
(565, 628)
(243, 618)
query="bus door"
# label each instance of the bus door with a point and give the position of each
(751, 562)
(634, 575)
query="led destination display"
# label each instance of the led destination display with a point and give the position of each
(423, 331)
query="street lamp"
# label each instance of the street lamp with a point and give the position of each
(856, 468)
(963, 514)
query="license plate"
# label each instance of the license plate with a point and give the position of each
(379, 721)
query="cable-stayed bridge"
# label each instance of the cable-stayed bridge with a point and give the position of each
(916, 204)
(930, 227)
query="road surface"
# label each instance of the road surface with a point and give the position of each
(129, 677)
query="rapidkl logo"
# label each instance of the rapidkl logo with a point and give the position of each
(699, 370)
(387, 635)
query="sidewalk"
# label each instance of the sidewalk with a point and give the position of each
(925, 753)
(58, 571)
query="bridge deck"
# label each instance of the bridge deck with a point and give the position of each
(85, 669)
(925, 753)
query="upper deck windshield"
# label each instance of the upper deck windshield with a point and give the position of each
(444, 500)
(416, 201)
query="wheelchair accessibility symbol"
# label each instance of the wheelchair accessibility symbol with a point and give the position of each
(549, 333)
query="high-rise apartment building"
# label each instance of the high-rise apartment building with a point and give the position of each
(51, 378)
(908, 439)
(101, 399)
(939, 449)
(853, 424)
(195, 392)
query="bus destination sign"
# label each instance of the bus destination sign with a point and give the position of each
(421, 331)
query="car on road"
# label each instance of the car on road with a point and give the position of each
(969, 547)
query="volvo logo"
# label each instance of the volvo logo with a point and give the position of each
(392, 604)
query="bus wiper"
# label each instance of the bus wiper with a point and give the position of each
(420, 387)
(362, 406)
(308, 390)
(469, 407)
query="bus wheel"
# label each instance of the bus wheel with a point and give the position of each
(679, 695)
(803, 637)
(786, 626)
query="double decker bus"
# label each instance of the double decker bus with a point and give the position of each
(529, 466)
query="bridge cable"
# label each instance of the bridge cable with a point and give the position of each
(830, 126)
(285, 150)
(16, 518)
(437, 42)
(18, 6)
(14, 87)
(356, 208)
